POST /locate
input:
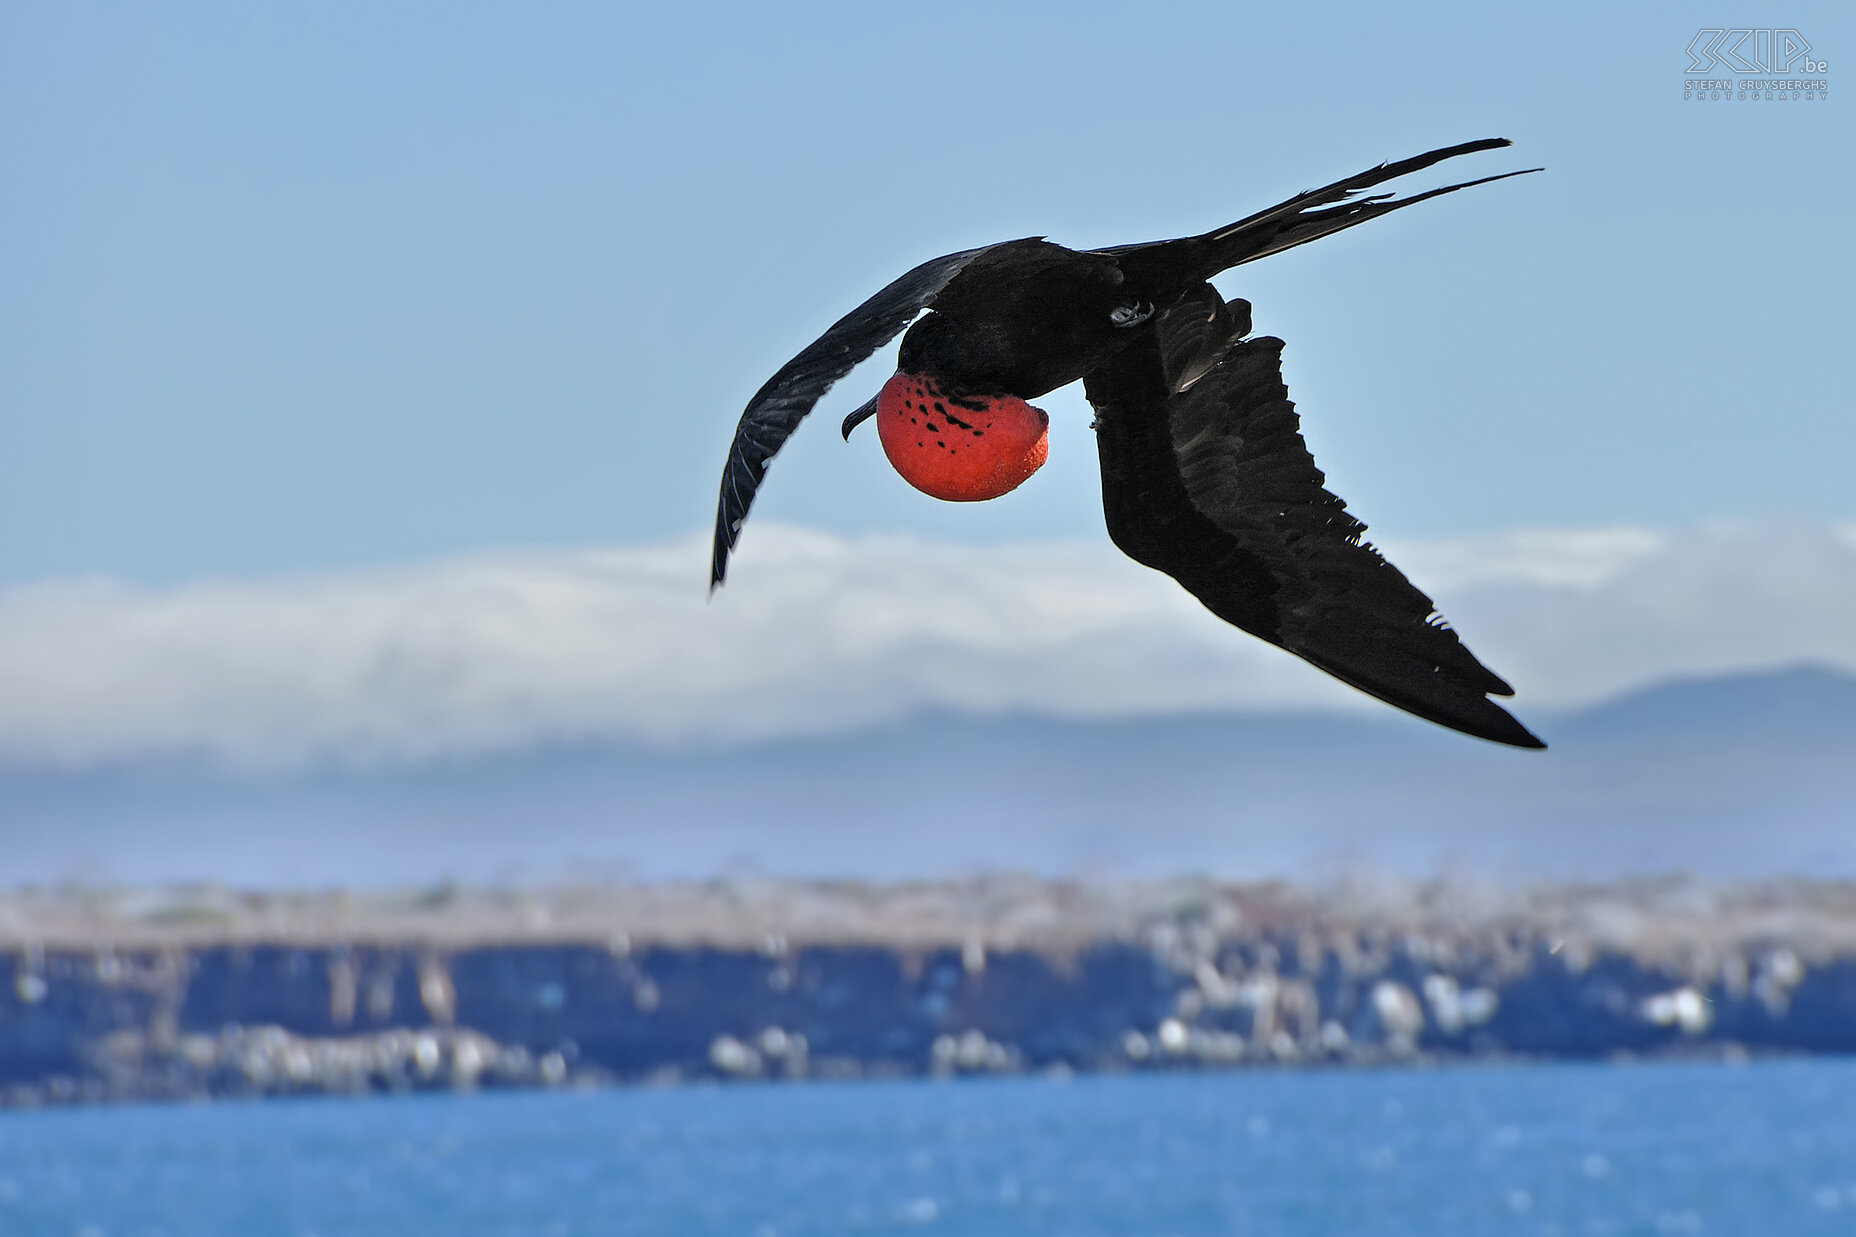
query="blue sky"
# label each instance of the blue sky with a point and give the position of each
(290, 287)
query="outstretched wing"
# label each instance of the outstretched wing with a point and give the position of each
(1205, 477)
(779, 406)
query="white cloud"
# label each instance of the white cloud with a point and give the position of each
(815, 633)
(1647, 606)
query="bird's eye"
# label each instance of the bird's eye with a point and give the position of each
(1131, 315)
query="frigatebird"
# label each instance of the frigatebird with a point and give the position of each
(1205, 475)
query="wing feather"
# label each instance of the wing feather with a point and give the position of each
(1206, 477)
(778, 407)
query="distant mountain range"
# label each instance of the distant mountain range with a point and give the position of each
(1748, 774)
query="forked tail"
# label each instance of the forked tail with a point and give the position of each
(1303, 218)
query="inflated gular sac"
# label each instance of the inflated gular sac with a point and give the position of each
(960, 450)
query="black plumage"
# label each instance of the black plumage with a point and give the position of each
(1205, 475)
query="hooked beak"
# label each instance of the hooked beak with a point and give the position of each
(859, 417)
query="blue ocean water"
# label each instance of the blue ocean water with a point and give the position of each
(1759, 1150)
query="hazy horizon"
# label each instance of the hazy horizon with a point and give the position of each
(365, 380)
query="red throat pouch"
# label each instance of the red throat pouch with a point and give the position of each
(962, 450)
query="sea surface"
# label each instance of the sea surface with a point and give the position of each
(1762, 1150)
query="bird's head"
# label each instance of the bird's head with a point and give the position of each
(960, 448)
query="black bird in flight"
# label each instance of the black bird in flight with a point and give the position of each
(1205, 475)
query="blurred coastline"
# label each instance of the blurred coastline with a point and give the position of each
(185, 992)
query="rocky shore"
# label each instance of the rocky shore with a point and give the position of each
(185, 993)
